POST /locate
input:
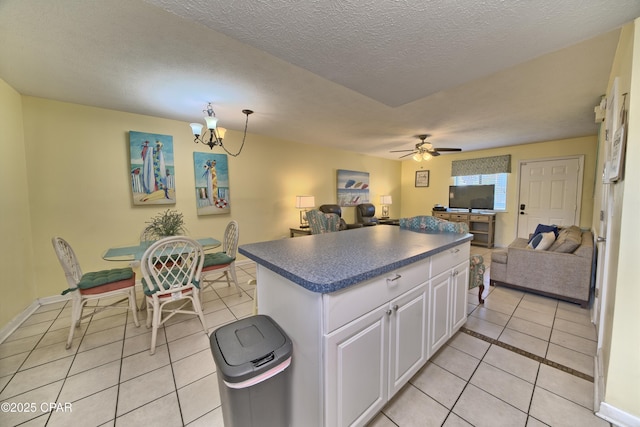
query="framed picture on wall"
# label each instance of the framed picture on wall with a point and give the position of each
(353, 187)
(422, 178)
(212, 183)
(152, 169)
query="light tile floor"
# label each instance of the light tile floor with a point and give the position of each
(108, 377)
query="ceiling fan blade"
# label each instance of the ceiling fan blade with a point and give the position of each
(434, 153)
(399, 151)
(406, 155)
(447, 149)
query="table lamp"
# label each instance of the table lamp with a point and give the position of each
(385, 201)
(302, 203)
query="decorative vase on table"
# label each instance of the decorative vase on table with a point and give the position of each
(167, 223)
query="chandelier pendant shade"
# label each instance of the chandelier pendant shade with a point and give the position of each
(216, 133)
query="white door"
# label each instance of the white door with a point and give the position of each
(550, 193)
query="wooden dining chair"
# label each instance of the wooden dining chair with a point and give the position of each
(93, 286)
(222, 265)
(171, 270)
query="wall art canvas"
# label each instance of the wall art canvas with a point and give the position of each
(353, 187)
(212, 183)
(152, 169)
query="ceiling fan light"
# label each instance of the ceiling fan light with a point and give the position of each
(417, 157)
(426, 156)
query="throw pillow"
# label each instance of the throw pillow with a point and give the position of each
(542, 241)
(541, 228)
(568, 241)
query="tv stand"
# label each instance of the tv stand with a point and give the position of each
(481, 225)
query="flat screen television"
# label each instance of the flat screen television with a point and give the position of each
(471, 197)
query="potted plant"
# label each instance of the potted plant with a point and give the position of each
(167, 223)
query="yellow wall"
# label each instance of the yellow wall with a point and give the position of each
(622, 388)
(78, 172)
(420, 200)
(16, 285)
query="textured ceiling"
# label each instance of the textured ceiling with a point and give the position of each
(360, 75)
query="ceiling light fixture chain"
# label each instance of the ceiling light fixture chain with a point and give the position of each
(216, 134)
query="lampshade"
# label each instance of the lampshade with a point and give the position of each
(196, 128)
(221, 132)
(211, 122)
(305, 202)
(417, 157)
(385, 200)
(426, 156)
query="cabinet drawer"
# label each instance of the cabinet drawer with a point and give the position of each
(479, 218)
(350, 303)
(447, 259)
(441, 215)
(458, 217)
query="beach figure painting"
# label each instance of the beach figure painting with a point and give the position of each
(152, 169)
(212, 183)
(353, 187)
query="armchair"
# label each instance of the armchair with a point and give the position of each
(366, 214)
(336, 209)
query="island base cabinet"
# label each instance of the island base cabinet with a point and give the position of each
(408, 337)
(371, 358)
(459, 296)
(356, 370)
(448, 294)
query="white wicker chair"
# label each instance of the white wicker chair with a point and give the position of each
(171, 269)
(93, 286)
(222, 265)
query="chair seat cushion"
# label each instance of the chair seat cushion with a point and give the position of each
(150, 290)
(99, 278)
(217, 259)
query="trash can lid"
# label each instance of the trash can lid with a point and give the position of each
(249, 347)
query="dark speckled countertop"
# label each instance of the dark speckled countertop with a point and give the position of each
(325, 263)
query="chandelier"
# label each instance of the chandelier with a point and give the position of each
(216, 134)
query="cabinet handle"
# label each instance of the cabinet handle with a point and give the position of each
(395, 308)
(454, 273)
(389, 312)
(390, 280)
(455, 251)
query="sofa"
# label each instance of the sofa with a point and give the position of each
(562, 270)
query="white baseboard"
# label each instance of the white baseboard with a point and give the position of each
(617, 417)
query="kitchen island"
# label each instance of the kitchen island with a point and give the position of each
(365, 309)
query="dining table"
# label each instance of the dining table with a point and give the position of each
(134, 253)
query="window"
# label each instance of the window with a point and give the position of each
(498, 179)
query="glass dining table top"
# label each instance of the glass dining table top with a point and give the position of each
(134, 252)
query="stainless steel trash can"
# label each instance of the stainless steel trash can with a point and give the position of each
(252, 356)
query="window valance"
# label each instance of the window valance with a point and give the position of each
(482, 166)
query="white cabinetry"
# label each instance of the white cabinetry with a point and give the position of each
(356, 374)
(356, 347)
(369, 359)
(448, 295)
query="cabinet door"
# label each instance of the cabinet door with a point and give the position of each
(356, 371)
(459, 295)
(408, 336)
(439, 313)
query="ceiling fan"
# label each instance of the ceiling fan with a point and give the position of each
(424, 150)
